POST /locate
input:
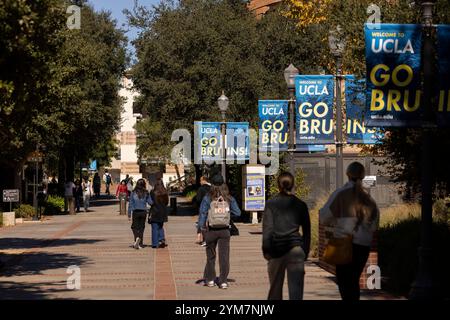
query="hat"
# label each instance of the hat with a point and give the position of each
(217, 180)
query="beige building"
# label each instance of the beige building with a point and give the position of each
(260, 7)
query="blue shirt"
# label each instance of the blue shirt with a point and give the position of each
(139, 204)
(206, 204)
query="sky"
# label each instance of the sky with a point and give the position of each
(116, 7)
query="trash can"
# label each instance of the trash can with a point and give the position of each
(173, 205)
(123, 203)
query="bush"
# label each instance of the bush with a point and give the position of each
(54, 205)
(441, 209)
(25, 211)
(191, 195)
(314, 216)
(1, 219)
(398, 254)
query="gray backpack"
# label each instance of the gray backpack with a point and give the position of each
(219, 214)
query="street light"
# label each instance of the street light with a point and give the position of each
(289, 76)
(223, 103)
(336, 42)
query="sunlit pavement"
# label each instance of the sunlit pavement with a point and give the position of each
(38, 255)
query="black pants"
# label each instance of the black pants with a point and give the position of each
(217, 238)
(348, 274)
(138, 225)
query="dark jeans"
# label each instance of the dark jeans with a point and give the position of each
(138, 225)
(217, 238)
(294, 263)
(348, 274)
(77, 203)
(157, 233)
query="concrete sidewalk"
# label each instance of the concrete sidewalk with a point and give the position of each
(38, 256)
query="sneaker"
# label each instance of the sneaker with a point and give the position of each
(203, 244)
(140, 247)
(136, 243)
(210, 284)
(224, 285)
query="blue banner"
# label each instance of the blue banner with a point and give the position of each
(273, 125)
(355, 101)
(210, 146)
(93, 166)
(443, 114)
(393, 57)
(311, 148)
(314, 109)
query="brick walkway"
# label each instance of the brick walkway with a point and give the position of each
(37, 256)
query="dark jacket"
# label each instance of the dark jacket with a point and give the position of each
(159, 212)
(201, 192)
(283, 216)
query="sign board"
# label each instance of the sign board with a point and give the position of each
(314, 109)
(254, 188)
(370, 182)
(443, 114)
(11, 195)
(273, 125)
(393, 60)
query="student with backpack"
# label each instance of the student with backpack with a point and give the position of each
(139, 201)
(215, 219)
(108, 181)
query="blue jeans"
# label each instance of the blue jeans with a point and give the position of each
(157, 233)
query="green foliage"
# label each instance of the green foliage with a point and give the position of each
(25, 211)
(300, 186)
(54, 205)
(1, 219)
(191, 195)
(441, 209)
(398, 255)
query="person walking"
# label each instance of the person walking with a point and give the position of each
(137, 210)
(97, 184)
(69, 192)
(204, 189)
(107, 179)
(122, 189)
(353, 213)
(78, 193)
(159, 214)
(283, 246)
(130, 185)
(87, 193)
(214, 220)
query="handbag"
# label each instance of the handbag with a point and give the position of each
(234, 231)
(339, 251)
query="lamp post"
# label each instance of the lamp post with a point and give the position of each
(223, 103)
(337, 46)
(289, 76)
(422, 288)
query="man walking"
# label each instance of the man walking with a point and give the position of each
(107, 179)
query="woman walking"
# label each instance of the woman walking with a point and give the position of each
(159, 214)
(353, 213)
(214, 220)
(78, 193)
(97, 184)
(283, 246)
(137, 209)
(87, 193)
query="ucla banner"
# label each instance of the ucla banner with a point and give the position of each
(355, 101)
(393, 57)
(311, 148)
(273, 125)
(314, 109)
(443, 114)
(210, 137)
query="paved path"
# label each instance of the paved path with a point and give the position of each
(37, 256)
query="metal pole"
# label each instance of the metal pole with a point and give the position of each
(422, 288)
(291, 131)
(339, 140)
(224, 149)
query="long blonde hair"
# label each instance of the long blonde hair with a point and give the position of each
(365, 205)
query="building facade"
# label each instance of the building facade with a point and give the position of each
(260, 7)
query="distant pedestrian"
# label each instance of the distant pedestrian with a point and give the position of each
(130, 185)
(96, 184)
(122, 189)
(87, 193)
(355, 216)
(283, 246)
(137, 210)
(78, 194)
(204, 189)
(69, 192)
(159, 214)
(214, 219)
(107, 179)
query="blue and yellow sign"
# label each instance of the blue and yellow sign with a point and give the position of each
(273, 125)
(443, 112)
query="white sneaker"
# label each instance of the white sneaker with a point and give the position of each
(136, 243)
(224, 285)
(203, 244)
(210, 284)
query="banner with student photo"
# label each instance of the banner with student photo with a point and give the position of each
(393, 57)
(273, 125)
(355, 101)
(443, 38)
(314, 109)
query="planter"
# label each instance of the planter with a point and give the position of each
(9, 219)
(19, 220)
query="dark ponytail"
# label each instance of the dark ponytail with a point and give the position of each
(285, 183)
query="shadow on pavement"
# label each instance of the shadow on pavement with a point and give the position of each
(31, 243)
(29, 291)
